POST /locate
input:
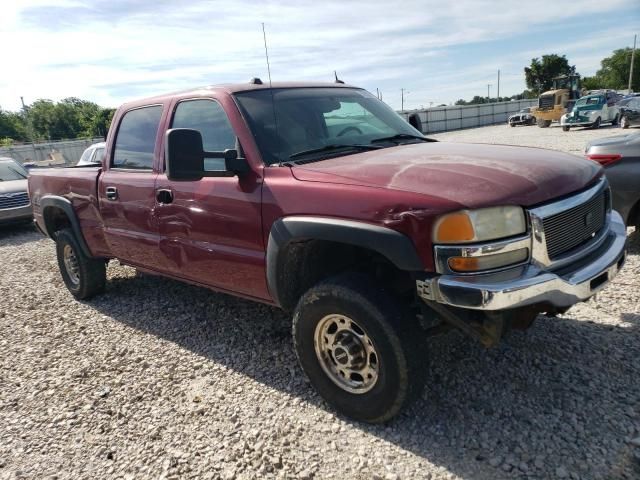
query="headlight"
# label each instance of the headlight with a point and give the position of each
(480, 225)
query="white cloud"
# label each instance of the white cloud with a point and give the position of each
(110, 51)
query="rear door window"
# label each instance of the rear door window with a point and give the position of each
(136, 139)
(209, 118)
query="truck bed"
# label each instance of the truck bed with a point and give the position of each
(79, 186)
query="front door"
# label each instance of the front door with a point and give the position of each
(210, 229)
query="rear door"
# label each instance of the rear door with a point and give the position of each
(126, 189)
(210, 229)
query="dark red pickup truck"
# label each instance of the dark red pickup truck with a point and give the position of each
(319, 199)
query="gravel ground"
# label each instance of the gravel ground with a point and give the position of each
(553, 137)
(157, 379)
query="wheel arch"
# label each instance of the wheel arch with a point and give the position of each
(58, 213)
(302, 250)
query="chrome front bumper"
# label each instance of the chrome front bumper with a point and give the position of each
(530, 284)
(8, 215)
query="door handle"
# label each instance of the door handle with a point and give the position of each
(164, 196)
(112, 193)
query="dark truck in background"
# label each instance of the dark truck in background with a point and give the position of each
(319, 199)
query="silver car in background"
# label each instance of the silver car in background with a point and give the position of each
(15, 205)
(620, 156)
(93, 155)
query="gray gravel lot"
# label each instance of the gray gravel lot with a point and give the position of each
(553, 137)
(157, 379)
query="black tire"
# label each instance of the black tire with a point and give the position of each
(395, 339)
(544, 123)
(533, 121)
(624, 122)
(597, 123)
(614, 122)
(87, 276)
(511, 124)
(566, 128)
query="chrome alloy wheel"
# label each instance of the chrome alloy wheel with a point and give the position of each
(71, 264)
(346, 353)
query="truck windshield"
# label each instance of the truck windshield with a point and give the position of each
(310, 119)
(588, 101)
(11, 171)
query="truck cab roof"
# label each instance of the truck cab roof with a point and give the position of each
(231, 88)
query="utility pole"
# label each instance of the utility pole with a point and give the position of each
(29, 128)
(633, 54)
(498, 85)
(488, 96)
(402, 99)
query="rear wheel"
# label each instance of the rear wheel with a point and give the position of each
(614, 122)
(566, 128)
(358, 347)
(83, 276)
(596, 124)
(512, 124)
(544, 123)
(624, 122)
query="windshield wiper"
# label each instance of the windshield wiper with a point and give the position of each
(402, 136)
(17, 172)
(333, 148)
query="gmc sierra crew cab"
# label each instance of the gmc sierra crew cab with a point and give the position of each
(321, 200)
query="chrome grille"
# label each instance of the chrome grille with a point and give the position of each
(572, 228)
(14, 200)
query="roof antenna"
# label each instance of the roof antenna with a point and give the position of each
(337, 79)
(273, 101)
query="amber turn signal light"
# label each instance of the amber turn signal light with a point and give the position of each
(455, 228)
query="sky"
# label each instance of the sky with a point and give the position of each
(113, 51)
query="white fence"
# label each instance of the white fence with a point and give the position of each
(65, 152)
(456, 117)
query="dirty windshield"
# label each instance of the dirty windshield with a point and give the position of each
(11, 171)
(588, 101)
(310, 119)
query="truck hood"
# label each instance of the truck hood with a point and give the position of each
(471, 175)
(13, 186)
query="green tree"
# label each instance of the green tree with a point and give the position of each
(102, 122)
(12, 127)
(539, 75)
(614, 71)
(592, 83)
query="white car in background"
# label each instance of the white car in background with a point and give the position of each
(523, 117)
(93, 155)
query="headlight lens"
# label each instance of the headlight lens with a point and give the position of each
(480, 225)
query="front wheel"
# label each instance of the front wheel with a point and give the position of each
(624, 122)
(544, 123)
(83, 276)
(596, 124)
(566, 128)
(358, 347)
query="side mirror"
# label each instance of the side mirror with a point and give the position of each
(185, 157)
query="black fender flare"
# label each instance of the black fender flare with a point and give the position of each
(395, 246)
(54, 201)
